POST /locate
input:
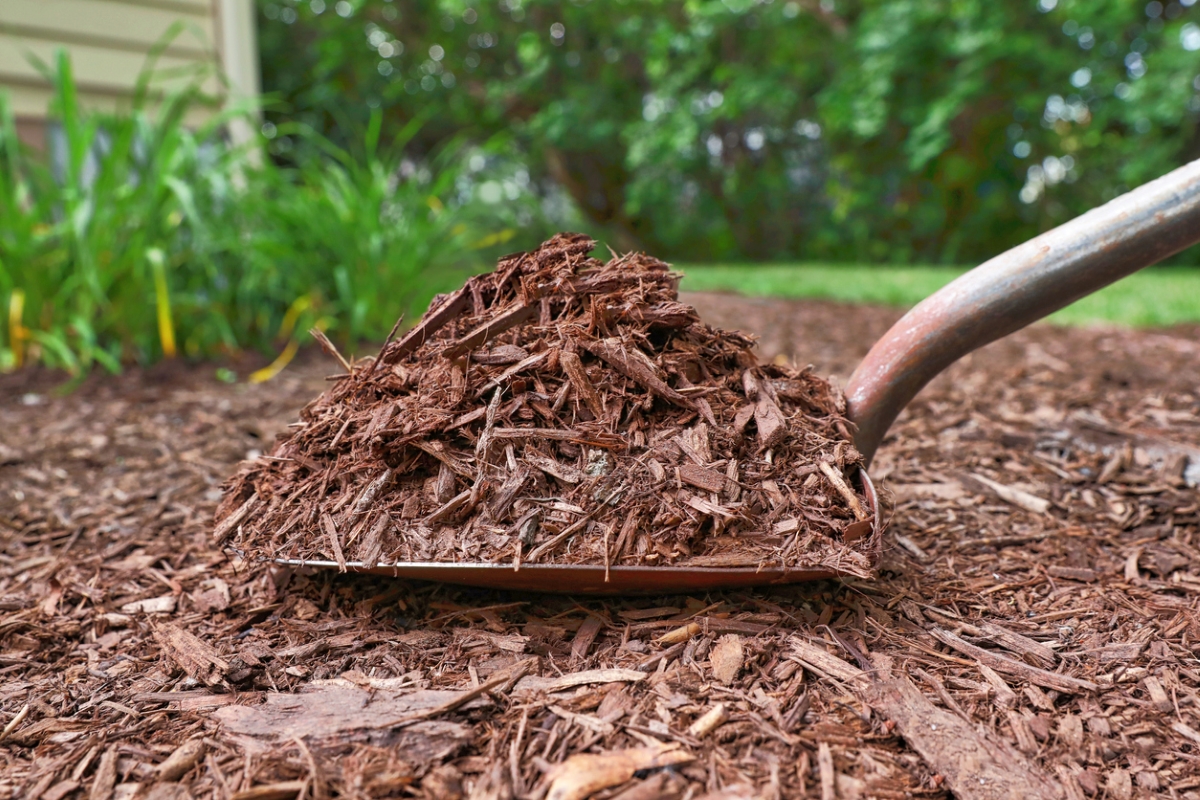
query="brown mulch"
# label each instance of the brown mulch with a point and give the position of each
(560, 409)
(1034, 628)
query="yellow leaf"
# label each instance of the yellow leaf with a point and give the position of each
(275, 367)
(162, 300)
(283, 359)
(17, 333)
(500, 237)
(302, 303)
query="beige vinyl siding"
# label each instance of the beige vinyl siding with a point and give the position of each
(108, 41)
(100, 71)
(121, 25)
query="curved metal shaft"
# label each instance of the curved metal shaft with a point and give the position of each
(1019, 287)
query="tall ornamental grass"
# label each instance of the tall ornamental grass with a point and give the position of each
(145, 239)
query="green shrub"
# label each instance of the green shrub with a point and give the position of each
(147, 239)
(901, 131)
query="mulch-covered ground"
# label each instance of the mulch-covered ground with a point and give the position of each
(1033, 632)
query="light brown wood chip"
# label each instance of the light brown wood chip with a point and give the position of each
(582, 775)
(582, 384)
(822, 663)
(633, 364)
(198, 659)
(727, 657)
(709, 721)
(186, 756)
(1010, 666)
(976, 766)
(701, 477)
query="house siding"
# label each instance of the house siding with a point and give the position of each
(109, 41)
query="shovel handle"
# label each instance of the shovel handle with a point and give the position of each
(1018, 287)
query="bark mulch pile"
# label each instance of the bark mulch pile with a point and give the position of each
(563, 410)
(1034, 629)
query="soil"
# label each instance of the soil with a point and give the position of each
(1033, 630)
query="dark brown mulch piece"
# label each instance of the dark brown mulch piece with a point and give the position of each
(563, 410)
(106, 502)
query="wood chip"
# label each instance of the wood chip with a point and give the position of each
(709, 721)
(584, 637)
(821, 662)
(1120, 784)
(1072, 573)
(975, 767)
(152, 605)
(835, 477)
(727, 657)
(1033, 650)
(441, 311)
(335, 541)
(106, 775)
(582, 775)
(826, 772)
(681, 634)
(181, 760)
(197, 658)
(1017, 497)
(283, 790)
(490, 329)
(1005, 696)
(772, 424)
(574, 679)
(1010, 666)
(702, 477)
(634, 365)
(1158, 695)
(582, 383)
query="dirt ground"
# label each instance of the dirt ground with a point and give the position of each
(1033, 631)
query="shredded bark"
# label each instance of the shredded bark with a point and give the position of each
(313, 684)
(562, 410)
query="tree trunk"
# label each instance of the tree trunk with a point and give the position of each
(598, 188)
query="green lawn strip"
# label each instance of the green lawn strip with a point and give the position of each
(1155, 297)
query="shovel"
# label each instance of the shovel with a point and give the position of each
(991, 301)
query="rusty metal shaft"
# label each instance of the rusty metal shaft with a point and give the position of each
(1019, 287)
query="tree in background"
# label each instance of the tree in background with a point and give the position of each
(913, 130)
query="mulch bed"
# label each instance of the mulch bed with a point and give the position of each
(1034, 627)
(563, 410)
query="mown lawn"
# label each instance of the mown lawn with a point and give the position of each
(1155, 297)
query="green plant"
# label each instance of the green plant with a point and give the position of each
(150, 239)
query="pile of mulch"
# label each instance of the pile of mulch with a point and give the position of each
(1040, 589)
(563, 410)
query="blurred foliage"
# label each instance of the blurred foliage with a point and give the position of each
(881, 130)
(145, 239)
